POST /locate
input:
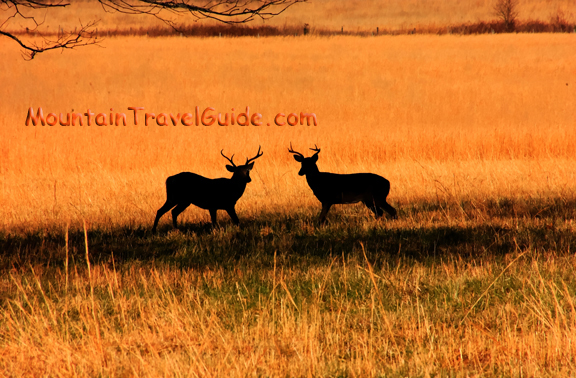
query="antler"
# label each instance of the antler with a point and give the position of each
(294, 152)
(316, 149)
(229, 159)
(258, 154)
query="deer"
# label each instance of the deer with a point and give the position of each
(332, 188)
(186, 188)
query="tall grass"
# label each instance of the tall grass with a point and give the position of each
(476, 277)
(352, 16)
(473, 118)
(358, 312)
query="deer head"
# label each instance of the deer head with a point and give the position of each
(241, 172)
(308, 163)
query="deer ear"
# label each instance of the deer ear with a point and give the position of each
(231, 168)
(250, 166)
(314, 158)
(298, 158)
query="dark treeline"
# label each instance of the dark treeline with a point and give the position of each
(556, 25)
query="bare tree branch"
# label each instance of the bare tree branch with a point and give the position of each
(225, 11)
(507, 11)
(64, 40)
(84, 37)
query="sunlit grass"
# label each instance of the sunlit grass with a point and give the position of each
(331, 14)
(282, 297)
(475, 277)
(440, 117)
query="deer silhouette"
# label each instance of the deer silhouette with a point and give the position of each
(188, 188)
(332, 188)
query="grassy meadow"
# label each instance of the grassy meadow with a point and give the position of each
(352, 15)
(476, 135)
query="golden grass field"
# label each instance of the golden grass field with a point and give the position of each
(475, 118)
(334, 14)
(475, 133)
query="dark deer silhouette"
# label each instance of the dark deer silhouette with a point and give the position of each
(188, 188)
(332, 188)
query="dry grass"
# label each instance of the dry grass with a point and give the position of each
(479, 117)
(476, 135)
(339, 319)
(399, 14)
(334, 14)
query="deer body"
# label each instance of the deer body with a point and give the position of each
(187, 188)
(219, 194)
(351, 188)
(332, 188)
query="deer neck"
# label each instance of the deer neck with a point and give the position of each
(313, 176)
(238, 183)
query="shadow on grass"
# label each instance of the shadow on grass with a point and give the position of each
(501, 227)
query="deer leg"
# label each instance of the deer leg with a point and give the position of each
(176, 211)
(325, 208)
(374, 208)
(163, 210)
(233, 216)
(214, 216)
(390, 210)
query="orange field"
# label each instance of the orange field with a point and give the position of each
(475, 133)
(332, 14)
(475, 117)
